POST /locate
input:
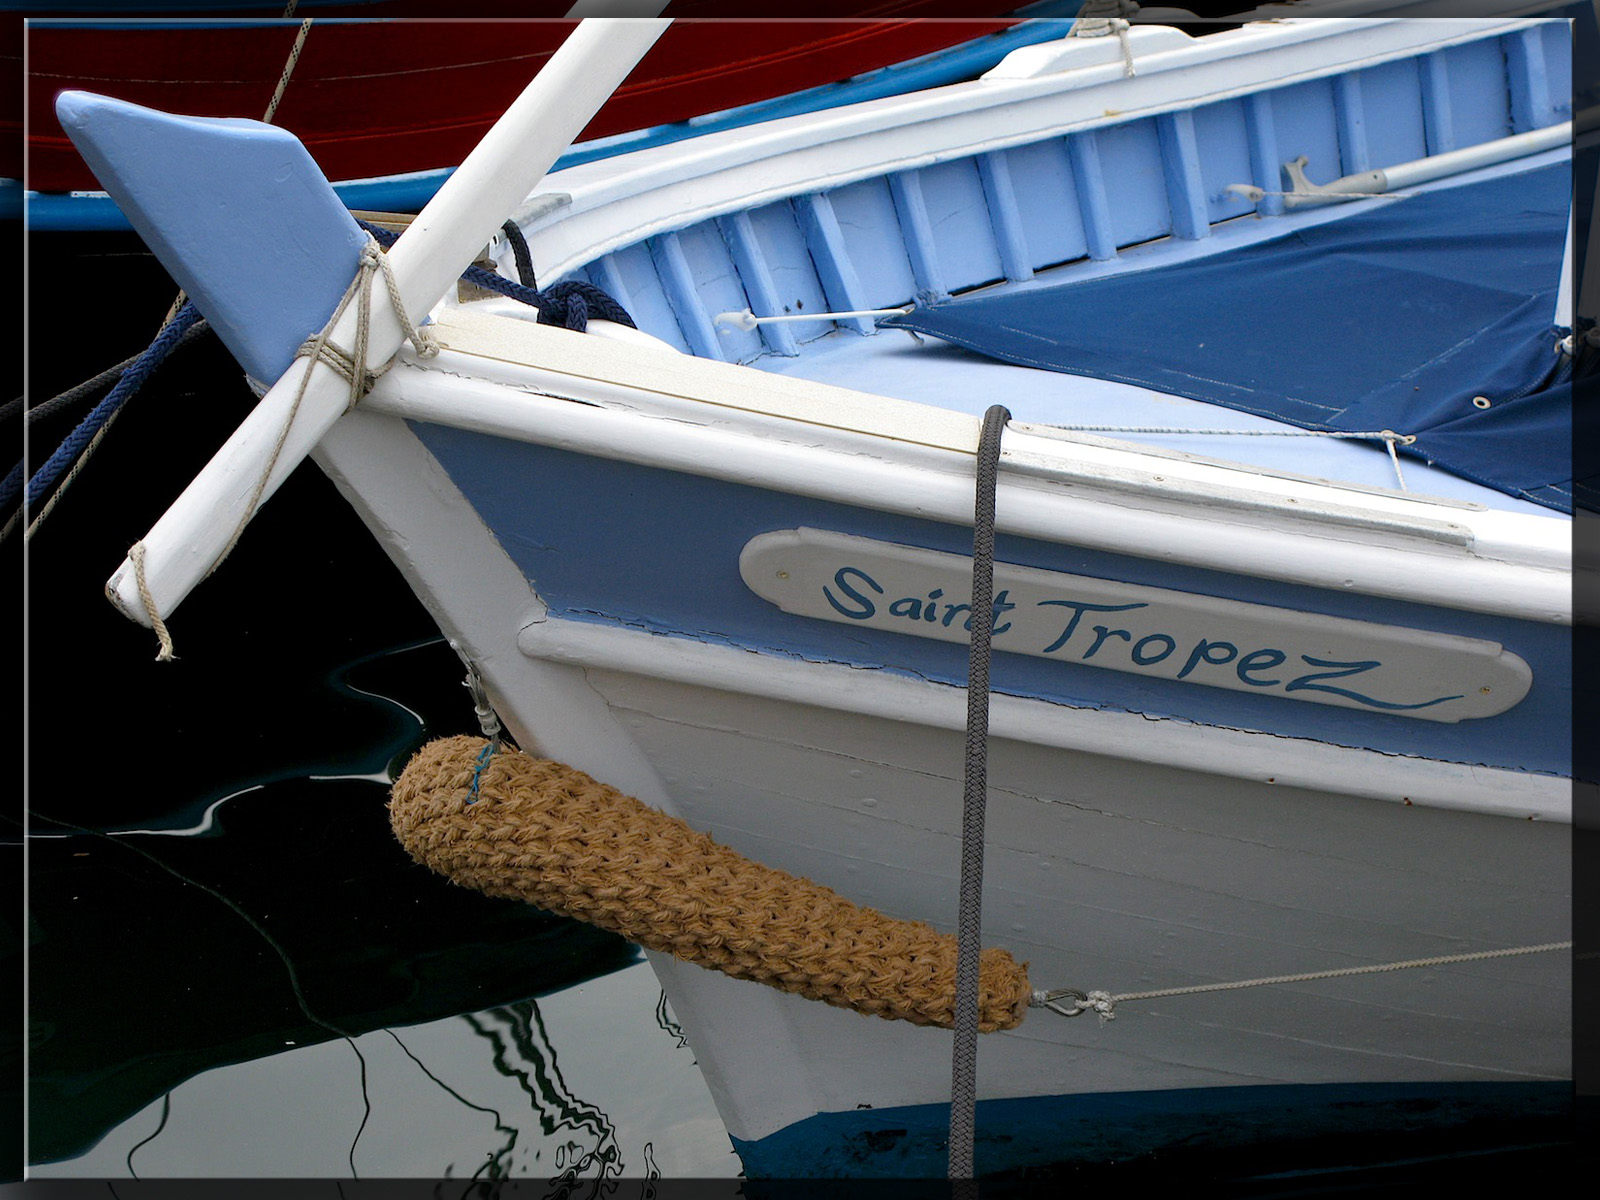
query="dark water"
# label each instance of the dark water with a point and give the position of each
(234, 969)
(212, 877)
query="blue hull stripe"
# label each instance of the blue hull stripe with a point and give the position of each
(1039, 1132)
(652, 549)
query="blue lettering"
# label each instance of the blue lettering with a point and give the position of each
(867, 608)
(1001, 605)
(1306, 683)
(908, 606)
(1101, 633)
(1078, 609)
(1144, 660)
(1202, 653)
(1259, 660)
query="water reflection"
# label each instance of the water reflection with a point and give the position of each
(257, 981)
(481, 1097)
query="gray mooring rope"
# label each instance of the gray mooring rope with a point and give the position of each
(969, 919)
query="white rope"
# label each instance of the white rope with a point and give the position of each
(1094, 20)
(747, 320)
(1105, 1004)
(136, 556)
(288, 67)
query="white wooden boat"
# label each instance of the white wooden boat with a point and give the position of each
(1261, 706)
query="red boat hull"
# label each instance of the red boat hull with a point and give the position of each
(395, 96)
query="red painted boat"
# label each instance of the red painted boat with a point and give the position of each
(393, 96)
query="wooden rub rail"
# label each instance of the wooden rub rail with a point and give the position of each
(526, 828)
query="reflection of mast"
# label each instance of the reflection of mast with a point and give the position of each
(666, 1021)
(522, 1051)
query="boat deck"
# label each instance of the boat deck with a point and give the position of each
(932, 372)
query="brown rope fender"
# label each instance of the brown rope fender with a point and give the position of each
(550, 835)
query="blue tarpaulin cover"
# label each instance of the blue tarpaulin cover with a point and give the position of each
(1393, 317)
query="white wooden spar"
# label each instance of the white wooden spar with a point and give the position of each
(189, 539)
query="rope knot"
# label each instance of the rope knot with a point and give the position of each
(571, 303)
(1101, 1004)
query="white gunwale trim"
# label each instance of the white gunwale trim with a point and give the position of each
(1235, 753)
(812, 440)
(557, 362)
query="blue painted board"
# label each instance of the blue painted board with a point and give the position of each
(236, 210)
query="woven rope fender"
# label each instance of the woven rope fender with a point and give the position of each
(550, 835)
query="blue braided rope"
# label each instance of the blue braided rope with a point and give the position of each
(568, 304)
(10, 486)
(132, 379)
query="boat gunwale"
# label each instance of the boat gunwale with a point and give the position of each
(681, 175)
(725, 421)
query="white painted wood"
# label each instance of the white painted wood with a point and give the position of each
(1206, 750)
(1121, 875)
(185, 544)
(1075, 53)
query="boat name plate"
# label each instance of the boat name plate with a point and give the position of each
(1138, 629)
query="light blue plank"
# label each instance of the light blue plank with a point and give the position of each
(1438, 113)
(1094, 209)
(745, 248)
(678, 280)
(910, 206)
(1180, 161)
(1351, 114)
(1266, 168)
(1010, 235)
(825, 240)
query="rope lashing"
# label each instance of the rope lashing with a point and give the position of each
(550, 835)
(163, 637)
(1098, 18)
(350, 364)
(1105, 1004)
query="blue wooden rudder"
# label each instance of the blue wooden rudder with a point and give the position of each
(237, 212)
